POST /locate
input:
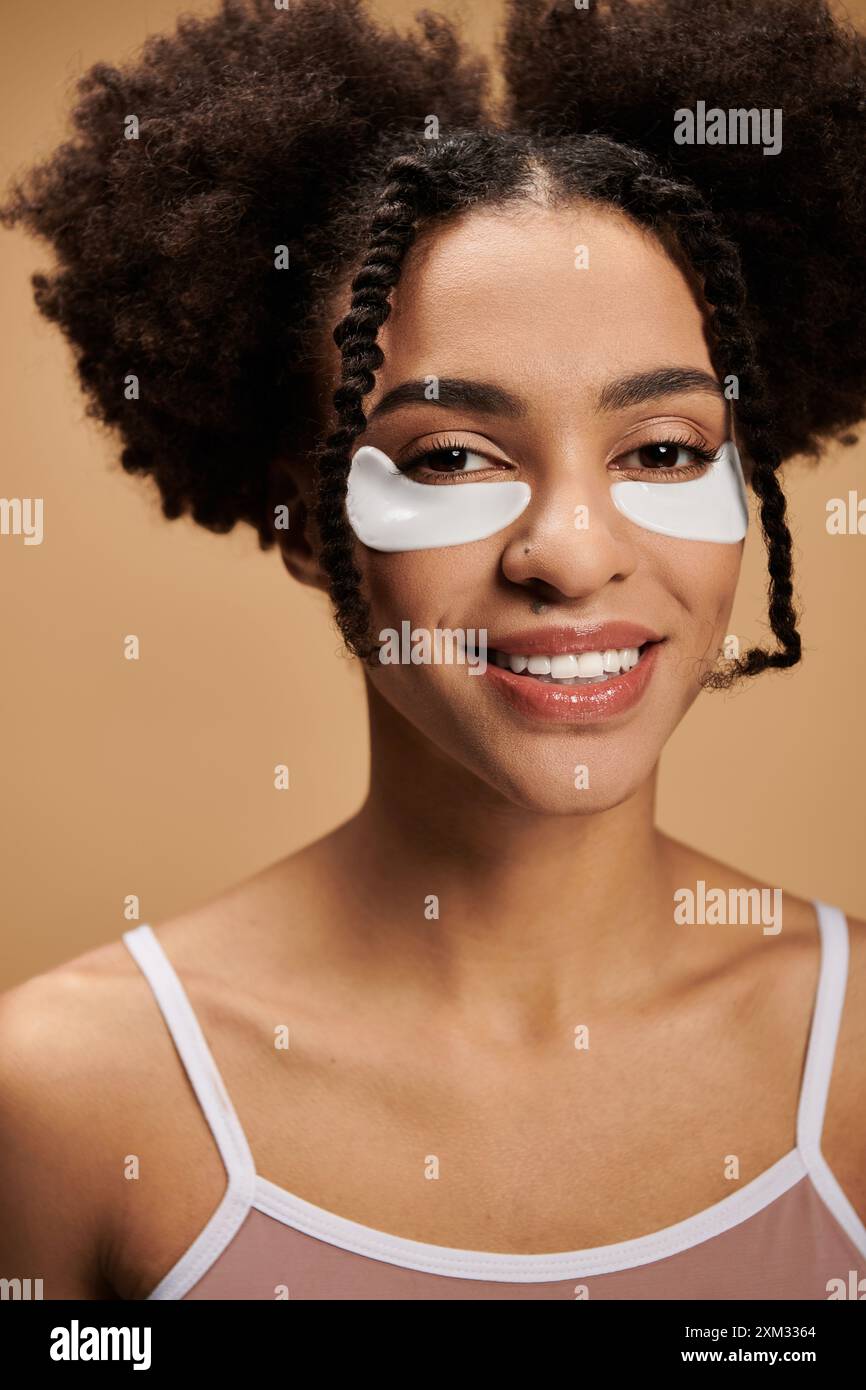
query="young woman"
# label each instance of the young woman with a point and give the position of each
(511, 374)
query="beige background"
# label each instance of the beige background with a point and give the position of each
(155, 777)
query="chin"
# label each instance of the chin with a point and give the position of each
(546, 786)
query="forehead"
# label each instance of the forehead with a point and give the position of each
(557, 299)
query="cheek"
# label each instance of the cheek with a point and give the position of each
(425, 585)
(712, 580)
(702, 580)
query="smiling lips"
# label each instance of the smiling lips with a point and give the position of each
(574, 676)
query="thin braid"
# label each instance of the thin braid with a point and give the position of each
(717, 260)
(393, 228)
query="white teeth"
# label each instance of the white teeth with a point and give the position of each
(562, 667)
(590, 664)
(572, 668)
(539, 666)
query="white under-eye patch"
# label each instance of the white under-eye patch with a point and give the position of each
(389, 511)
(712, 507)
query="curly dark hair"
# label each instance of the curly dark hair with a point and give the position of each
(304, 129)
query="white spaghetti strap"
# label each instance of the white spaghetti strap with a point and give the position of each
(818, 1070)
(826, 1017)
(219, 1112)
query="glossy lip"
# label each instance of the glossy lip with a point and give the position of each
(575, 704)
(557, 641)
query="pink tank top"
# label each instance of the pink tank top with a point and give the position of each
(790, 1233)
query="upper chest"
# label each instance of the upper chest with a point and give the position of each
(638, 1121)
(634, 1121)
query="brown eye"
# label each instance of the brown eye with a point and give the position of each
(449, 458)
(667, 460)
(662, 455)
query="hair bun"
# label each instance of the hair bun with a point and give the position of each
(798, 217)
(252, 123)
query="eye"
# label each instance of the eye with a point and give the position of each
(668, 458)
(451, 458)
(452, 461)
(663, 455)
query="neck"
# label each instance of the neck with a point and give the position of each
(499, 900)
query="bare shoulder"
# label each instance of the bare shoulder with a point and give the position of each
(96, 1113)
(65, 1069)
(741, 891)
(791, 969)
(280, 919)
(61, 1031)
(844, 1136)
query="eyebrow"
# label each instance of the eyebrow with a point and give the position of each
(480, 396)
(485, 398)
(662, 381)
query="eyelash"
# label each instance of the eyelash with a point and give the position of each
(703, 456)
(440, 447)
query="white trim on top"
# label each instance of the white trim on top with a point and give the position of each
(531, 1269)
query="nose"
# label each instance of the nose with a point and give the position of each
(570, 541)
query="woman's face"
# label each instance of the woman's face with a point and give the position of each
(572, 351)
